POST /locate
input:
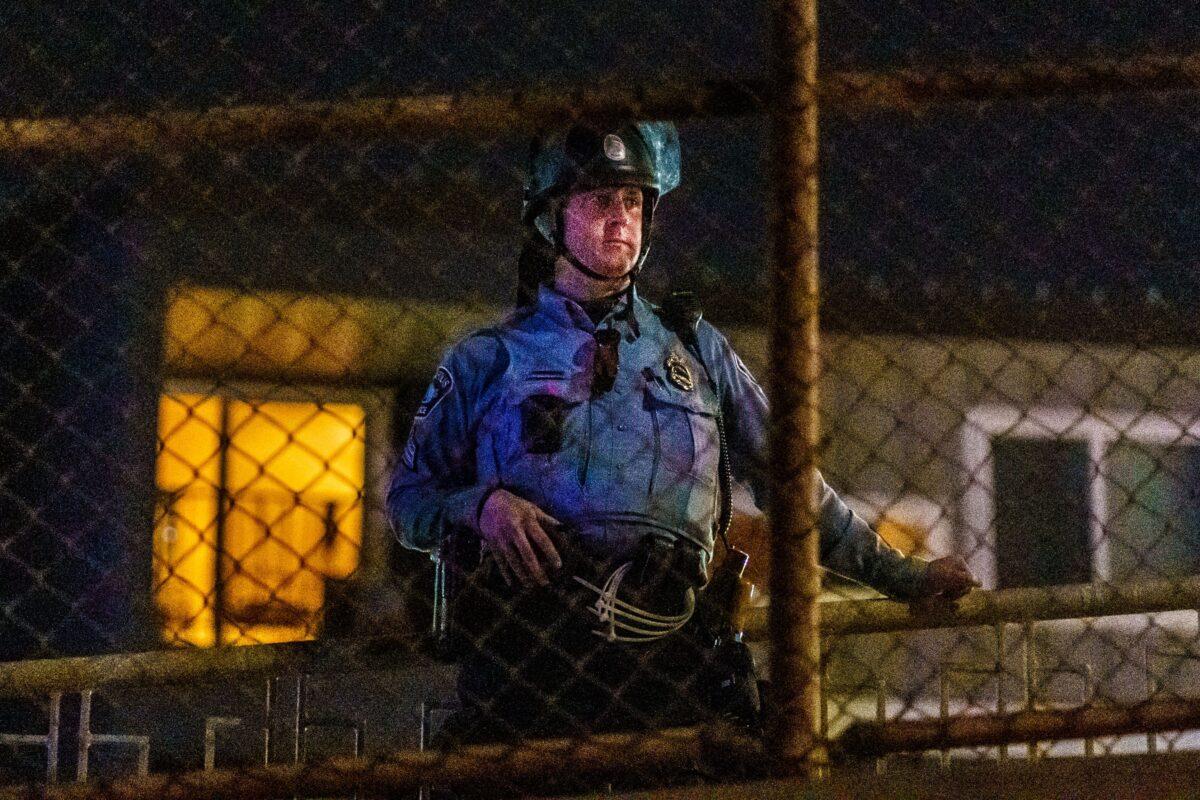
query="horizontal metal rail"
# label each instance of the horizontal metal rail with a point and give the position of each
(872, 739)
(842, 617)
(480, 768)
(1069, 601)
(160, 132)
(164, 131)
(913, 90)
(75, 674)
(1165, 777)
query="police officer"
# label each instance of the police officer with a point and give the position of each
(590, 422)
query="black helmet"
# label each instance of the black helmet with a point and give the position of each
(588, 156)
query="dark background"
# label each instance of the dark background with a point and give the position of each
(1054, 220)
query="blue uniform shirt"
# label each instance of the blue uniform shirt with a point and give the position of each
(513, 405)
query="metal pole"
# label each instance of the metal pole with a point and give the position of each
(84, 735)
(1001, 674)
(298, 730)
(73, 674)
(870, 740)
(1031, 668)
(211, 724)
(76, 673)
(268, 721)
(849, 91)
(795, 339)
(1069, 601)
(48, 740)
(485, 770)
(52, 733)
(224, 506)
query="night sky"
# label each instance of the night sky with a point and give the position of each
(1061, 201)
(122, 55)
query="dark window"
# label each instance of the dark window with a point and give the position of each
(1041, 511)
(1154, 520)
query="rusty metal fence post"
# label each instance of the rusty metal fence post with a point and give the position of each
(795, 581)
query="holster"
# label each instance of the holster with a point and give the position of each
(730, 684)
(474, 607)
(472, 602)
(533, 665)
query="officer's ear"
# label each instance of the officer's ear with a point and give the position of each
(549, 222)
(558, 208)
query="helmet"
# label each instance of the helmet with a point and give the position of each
(588, 156)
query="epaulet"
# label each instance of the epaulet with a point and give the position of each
(513, 318)
(496, 329)
(497, 359)
(491, 331)
(479, 342)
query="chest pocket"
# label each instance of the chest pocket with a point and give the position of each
(543, 422)
(686, 444)
(543, 414)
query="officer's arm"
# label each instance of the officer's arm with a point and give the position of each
(434, 485)
(851, 548)
(848, 545)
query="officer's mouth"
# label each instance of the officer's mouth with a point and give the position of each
(621, 242)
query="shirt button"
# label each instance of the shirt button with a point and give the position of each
(620, 427)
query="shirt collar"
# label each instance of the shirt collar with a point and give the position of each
(565, 312)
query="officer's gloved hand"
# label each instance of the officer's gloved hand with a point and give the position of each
(947, 578)
(517, 533)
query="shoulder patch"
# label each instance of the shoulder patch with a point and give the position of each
(443, 384)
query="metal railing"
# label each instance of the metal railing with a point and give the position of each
(477, 767)
(847, 91)
(863, 739)
(793, 622)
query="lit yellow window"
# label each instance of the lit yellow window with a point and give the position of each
(905, 537)
(254, 569)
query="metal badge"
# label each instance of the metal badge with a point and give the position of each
(614, 148)
(678, 373)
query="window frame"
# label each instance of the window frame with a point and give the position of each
(377, 404)
(1098, 428)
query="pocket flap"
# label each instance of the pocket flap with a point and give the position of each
(699, 400)
(571, 390)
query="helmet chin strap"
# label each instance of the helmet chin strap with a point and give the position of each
(630, 273)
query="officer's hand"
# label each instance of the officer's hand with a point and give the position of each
(948, 578)
(516, 531)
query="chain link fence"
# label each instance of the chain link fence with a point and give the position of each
(238, 241)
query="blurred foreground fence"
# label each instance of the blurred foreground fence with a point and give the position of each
(221, 305)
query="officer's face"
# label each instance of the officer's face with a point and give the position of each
(603, 228)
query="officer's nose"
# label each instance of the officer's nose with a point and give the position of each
(620, 216)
